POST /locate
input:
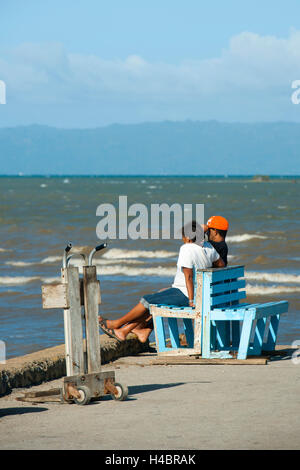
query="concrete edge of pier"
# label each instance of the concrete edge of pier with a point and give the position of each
(49, 364)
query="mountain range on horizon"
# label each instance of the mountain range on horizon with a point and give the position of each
(160, 148)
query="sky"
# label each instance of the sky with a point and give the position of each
(93, 63)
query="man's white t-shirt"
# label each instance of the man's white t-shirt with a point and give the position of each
(194, 257)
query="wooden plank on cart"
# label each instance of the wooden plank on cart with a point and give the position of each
(91, 290)
(55, 296)
(73, 323)
(43, 393)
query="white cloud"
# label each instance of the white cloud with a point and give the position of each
(251, 65)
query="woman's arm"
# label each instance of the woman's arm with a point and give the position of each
(188, 274)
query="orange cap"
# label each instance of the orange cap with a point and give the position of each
(218, 222)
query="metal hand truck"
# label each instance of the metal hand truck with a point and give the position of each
(84, 379)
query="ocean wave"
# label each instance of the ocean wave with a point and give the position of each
(244, 238)
(17, 280)
(104, 270)
(50, 280)
(19, 264)
(74, 261)
(132, 268)
(51, 259)
(158, 271)
(103, 262)
(273, 277)
(116, 253)
(270, 290)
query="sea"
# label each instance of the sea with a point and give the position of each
(40, 215)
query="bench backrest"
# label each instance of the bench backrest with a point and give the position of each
(220, 287)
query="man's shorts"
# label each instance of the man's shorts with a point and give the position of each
(171, 296)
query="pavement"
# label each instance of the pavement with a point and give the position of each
(182, 407)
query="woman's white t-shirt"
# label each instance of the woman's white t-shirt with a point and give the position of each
(194, 257)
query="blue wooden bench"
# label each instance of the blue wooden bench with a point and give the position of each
(219, 324)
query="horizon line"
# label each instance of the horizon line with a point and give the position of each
(184, 121)
(66, 175)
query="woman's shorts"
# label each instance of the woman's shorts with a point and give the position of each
(171, 296)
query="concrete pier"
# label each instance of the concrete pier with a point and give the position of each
(169, 407)
(49, 364)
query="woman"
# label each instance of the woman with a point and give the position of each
(194, 254)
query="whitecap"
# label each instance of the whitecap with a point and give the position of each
(244, 237)
(270, 290)
(51, 259)
(50, 280)
(19, 264)
(117, 253)
(158, 271)
(16, 280)
(273, 277)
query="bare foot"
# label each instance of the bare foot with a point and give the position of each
(118, 333)
(142, 333)
(109, 323)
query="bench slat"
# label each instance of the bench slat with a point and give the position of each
(223, 275)
(272, 308)
(222, 299)
(227, 286)
(227, 314)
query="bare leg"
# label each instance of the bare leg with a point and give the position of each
(141, 329)
(137, 313)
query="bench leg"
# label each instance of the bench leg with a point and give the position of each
(272, 334)
(159, 333)
(213, 335)
(223, 334)
(174, 334)
(236, 334)
(245, 336)
(259, 336)
(206, 336)
(189, 332)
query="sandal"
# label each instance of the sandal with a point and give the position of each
(108, 331)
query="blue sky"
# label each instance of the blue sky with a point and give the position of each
(91, 63)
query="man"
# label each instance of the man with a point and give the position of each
(216, 229)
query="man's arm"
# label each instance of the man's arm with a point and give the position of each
(188, 274)
(219, 263)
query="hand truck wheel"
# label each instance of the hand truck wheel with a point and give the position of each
(122, 392)
(85, 396)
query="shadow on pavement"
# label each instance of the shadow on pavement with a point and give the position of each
(20, 410)
(135, 389)
(280, 355)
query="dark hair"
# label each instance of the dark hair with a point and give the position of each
(223, 233)
(194, 227)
